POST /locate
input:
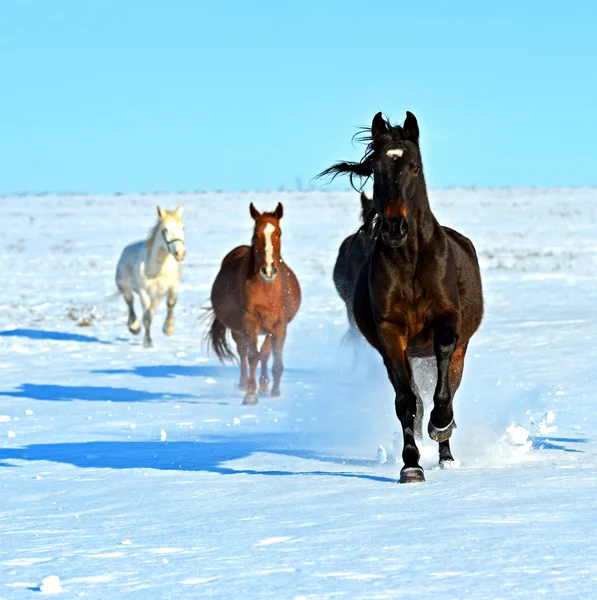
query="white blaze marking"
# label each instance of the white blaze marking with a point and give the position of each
(396, 153)
(269, 248)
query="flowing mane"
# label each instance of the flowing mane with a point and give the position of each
(153, 232)
(364, 168)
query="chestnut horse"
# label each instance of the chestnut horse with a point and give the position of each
(255, 292)
(419, 293)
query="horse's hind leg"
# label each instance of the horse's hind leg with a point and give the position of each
(265, 353)
(420, 407)
(168, 328)
(133, 323)
(243, 349)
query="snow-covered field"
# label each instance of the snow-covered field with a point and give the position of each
(134, 473)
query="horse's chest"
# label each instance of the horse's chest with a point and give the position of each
(411, 314)
(158, 284)
(268, 306)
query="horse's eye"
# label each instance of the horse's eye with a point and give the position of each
(416, 170)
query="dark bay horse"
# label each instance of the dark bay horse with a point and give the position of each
(419, 292)
(351, 257)
(255, 292)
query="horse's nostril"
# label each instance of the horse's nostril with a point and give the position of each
(403, 227)
(263, 270)
(275, 271)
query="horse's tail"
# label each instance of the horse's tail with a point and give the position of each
(216, 340)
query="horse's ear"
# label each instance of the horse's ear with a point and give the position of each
(411, 128)
(179, 210)
(279, 212)
(254, 212)
(379, 127)
(161, 212)
(364, 201)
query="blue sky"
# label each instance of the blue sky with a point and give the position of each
(107, 96)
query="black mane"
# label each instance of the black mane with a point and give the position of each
(364, 168)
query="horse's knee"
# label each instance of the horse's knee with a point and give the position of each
(253, 355)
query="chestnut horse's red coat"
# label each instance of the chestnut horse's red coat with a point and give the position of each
(255, 293)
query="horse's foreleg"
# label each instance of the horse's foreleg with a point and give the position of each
(441, 422)
(265, 353)
(242, 348)
(393, 342)
(168, 328)
(278, 340)
(252, 328)
(456, 367)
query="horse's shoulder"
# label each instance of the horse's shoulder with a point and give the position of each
(238, 252)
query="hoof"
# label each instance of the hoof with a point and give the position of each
(412, 475)
(250, 400)
(443, 434)
(147, 344)
(275, 394)
(264, 391)
(168, 330)
(135, 327)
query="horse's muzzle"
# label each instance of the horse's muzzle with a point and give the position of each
(180, 254)
(394, 232)
(269, 278)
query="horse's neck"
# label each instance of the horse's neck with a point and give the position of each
(157, 255)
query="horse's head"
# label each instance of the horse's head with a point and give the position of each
(266, 242)
(172, 231)
(393, 158)
(397, 172)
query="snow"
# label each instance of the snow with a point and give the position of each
(50, 585)
(288, 499)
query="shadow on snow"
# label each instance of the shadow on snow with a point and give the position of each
(168, 371)
(55, 336)
(555, 443)
(66, 393)
(203, 456)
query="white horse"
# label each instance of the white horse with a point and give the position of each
(152, 270)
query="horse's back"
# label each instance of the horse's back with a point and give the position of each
(239, 253)
(343, 268)
(469, 281)
(291, 292)
(351, 257)
(227, 290)
(125, 270)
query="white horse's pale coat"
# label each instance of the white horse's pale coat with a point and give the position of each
(151, 269)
